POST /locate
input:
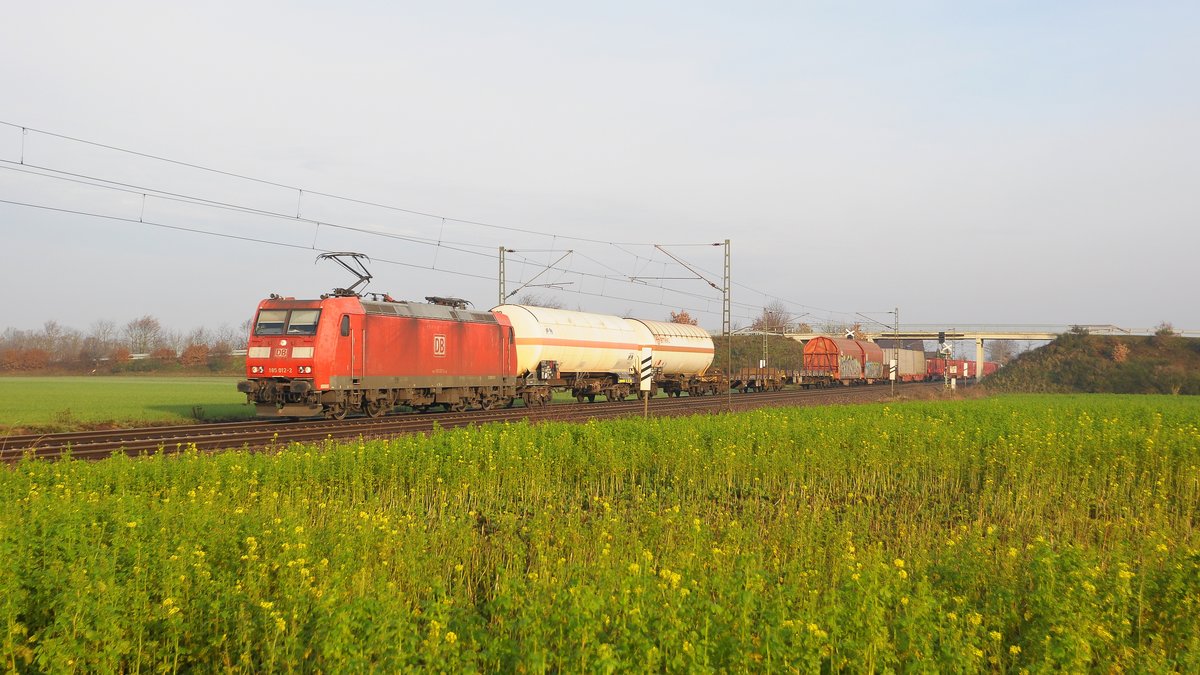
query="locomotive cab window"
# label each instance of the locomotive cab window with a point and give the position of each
(345, 325)
(282, 321)
(270, 322)
(303, 322)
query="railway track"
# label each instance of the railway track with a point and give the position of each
(259, 435)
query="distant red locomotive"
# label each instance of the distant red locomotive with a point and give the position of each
(345, 353)
(940, 368)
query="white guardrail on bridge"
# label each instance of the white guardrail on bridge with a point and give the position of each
(995, 331)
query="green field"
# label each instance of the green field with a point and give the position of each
(999, 535)
(73, 403)
(67, 403)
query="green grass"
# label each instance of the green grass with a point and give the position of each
(1041, 533)
(66, 403)
(72, 403)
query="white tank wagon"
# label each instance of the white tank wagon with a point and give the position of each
(585, 353)
(682, 355)
(679, 349)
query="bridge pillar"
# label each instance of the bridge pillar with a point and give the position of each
(978, 359)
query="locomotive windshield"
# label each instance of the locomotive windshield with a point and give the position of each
(290, 322)
(303, 322)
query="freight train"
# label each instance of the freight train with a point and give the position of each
(347, 352)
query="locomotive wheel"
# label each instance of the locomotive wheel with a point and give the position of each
(337, 412)
(579, 398)
(374, 408)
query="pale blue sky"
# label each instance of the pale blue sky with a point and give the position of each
(1001, 162)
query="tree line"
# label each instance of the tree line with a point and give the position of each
(107, 345)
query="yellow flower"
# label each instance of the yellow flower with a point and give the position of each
(131, 524)
(451, 636)
(1014, 650)
(634, 568)
(974, 618)
(898, 562)
(903, 574)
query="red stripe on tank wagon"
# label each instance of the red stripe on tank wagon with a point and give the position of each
(687, 350)
(566, 342)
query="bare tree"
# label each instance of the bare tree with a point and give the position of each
(226, 338)
(1001, 351)
(537, 300)
(143, 334)
(774, 318)
(104, 332)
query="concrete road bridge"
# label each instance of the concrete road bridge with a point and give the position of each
(981, 332)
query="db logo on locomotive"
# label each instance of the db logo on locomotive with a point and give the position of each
(439, 345)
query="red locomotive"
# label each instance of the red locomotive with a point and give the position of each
(940, 368)
(345, 353)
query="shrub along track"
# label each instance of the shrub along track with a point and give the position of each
(265, 434)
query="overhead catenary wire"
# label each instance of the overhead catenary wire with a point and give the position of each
(439, 242)
(224, 235)
(257, 240)
(353, 200)
(95, 181)
(177, 197)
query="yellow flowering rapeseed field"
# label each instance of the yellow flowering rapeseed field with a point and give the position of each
(1004, 535)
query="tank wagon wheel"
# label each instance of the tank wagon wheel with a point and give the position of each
(374, 408)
